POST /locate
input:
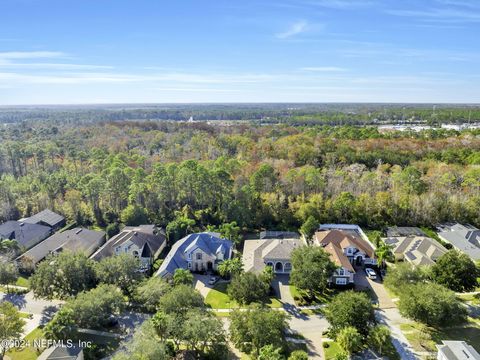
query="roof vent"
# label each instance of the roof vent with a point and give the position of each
(21, 224)
(135, 233)
(78, 231)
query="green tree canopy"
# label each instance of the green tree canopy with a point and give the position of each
(349, 339)
(248, 288)
(456, 271)
(11, 326)
(120, 270)
(431, 304)
(311, 268)
(350, 308)
(63, 275)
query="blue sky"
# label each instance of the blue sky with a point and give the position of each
(134, 51)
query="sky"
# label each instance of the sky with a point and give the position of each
(158, 51)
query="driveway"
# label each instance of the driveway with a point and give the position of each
(200, 282)
(42, 310)
(281, 286)
(378, 290)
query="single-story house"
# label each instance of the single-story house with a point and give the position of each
(418, 250)
(47, 218)
(59, 352)
(25, 234)
(77, 240)
(196, 252)
(394, 231)
(465, 238)
(145, 242)
(346, 248)
(456, 350)
(270, 252)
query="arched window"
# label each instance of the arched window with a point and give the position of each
(278, 267)
(287, 267)
(135, 253)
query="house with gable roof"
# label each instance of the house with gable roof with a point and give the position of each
(196, 252)
(347, 248)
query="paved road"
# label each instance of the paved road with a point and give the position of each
(42, 310)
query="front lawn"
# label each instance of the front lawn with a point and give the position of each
(424, 338)
(302, 299)
(30, 352)
(217, 298)
(331, 349)
(23, 281)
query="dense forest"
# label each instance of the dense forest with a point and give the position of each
(294, 114)
(187, 176)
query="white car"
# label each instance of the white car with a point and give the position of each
(212, 280)
(371, 273)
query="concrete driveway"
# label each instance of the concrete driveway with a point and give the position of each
(200, 282)
(378, 290)
(281, 286)
(42, 310)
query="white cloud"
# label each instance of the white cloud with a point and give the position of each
(295, 29)
(11, 55)
(323, 69)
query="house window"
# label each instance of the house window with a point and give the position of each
(189, 256)
(189, 265)
(341, 271)
(118, 249)
(349, 250)
(341, 281)
(287, 267)
(199, 256)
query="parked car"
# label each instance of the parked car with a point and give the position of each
(212, 280)
(370, 273)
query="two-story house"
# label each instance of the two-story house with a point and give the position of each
(196, 252)
(346, 250)
(145, 242)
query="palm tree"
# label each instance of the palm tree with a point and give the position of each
(230, 268)
(384, 253)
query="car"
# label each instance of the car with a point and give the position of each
(212, 280)
(370, 273)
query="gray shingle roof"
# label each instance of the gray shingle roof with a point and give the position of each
(458, 350)
(463, 238)
(26, 235)
(61, 353)
(208, 242)
(78, 240)
(139, 235)
(46, 217)
(257, 252)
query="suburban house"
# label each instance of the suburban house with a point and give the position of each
(47, 218)
(196, 252)
(456, 350)
(347, 248)
(59, 352)
(78, 240)
(145, 242)
(269, 251)
(465, 238)
(418, 250)
(25, 234)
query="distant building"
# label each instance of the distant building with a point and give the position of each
(274, 252)
(78, 240)
(347, 248)
(47, 218)
(25, 234)
(196, 252)
(418, 250)
(145, 242)
(456, 350)
(465, 238)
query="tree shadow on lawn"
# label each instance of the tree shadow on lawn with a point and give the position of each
(47, 314)
(16, 299)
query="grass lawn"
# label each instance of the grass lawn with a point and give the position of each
(218, 298)
(27, 353)
(331, 349)
(300, 297)
(23, 281)
(424, 338)
(24, 315)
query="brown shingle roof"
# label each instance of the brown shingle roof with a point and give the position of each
(343, 240)
(338, 257)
